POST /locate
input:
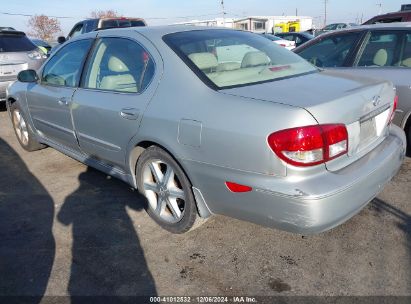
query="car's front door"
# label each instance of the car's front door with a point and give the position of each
(119, 81)
(49, 100)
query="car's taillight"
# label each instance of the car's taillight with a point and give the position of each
(310, 145)
(394, 108)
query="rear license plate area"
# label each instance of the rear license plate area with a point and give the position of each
(372, 128)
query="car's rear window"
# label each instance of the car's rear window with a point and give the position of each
(228, 58)
(122, 23)
(15, 43)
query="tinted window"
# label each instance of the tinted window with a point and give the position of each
(90, 25)
(64, 68)
(380, 50)
(331, 51)
(227, 58)
(77, 30)
(137, 23)
(119, 65)
(15, 43)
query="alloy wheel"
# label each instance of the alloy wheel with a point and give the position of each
(163, 190)
(20, 127)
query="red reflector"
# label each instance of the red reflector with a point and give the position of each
(394, 108)
(233, 187)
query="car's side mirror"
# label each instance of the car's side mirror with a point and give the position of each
(61, 39)
(28, 76)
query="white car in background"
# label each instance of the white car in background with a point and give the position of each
(289, 45)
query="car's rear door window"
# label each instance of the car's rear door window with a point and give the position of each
(332, 51)
(64, 68)
(227, 58)
(15, 43)
(381, 49)
(119, 65)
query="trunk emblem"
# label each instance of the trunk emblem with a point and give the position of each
(376, 100)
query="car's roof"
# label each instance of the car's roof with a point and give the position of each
(393, 25)
(162, 30)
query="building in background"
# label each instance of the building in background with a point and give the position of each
(219, 22)
(260, 24)
(274, 24)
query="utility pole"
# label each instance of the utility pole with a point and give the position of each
(380, 8)
(325, 12)
(223, 10)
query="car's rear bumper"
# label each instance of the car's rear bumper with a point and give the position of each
(303, 205)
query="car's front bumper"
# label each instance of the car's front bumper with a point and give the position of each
(303, 205)
(3, 88)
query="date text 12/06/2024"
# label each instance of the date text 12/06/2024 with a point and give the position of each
(203, 299)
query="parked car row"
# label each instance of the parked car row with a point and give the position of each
(215, 121)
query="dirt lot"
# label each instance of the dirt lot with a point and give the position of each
(66, 229)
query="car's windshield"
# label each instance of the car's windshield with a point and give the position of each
(227, 58)
(15, 43)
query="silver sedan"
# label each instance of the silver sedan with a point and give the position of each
(214, 121)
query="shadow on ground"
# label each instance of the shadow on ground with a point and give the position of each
(403, 219)
(107, 258)
(27, 246)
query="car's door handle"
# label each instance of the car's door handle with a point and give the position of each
(63, 101)
(129, 113)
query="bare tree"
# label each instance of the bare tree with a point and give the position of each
(43, 27)
(104, 14)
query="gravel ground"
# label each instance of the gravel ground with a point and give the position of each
(66, 229)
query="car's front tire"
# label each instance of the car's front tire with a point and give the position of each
(22, 129)
(170, 200)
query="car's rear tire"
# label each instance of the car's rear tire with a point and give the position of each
(407, 130)
(170, 199)
(22, 129)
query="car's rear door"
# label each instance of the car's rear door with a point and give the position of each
(386, 54)
(118, 83)
(49, 100)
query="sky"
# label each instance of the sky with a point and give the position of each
(158, 12)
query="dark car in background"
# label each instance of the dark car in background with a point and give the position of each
(404, 15)
(17, 53)
(299, 38)
(90, 25)
(379, 51)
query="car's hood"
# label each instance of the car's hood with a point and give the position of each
(330, 96)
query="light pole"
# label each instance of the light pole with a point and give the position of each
(380, 8)
(325, 12)
(222, 8)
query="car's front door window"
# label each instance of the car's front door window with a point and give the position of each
(381, 49)
(77, 30)
(331, 51)
(64, 68)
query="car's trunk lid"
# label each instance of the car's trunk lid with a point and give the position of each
(362, 104)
